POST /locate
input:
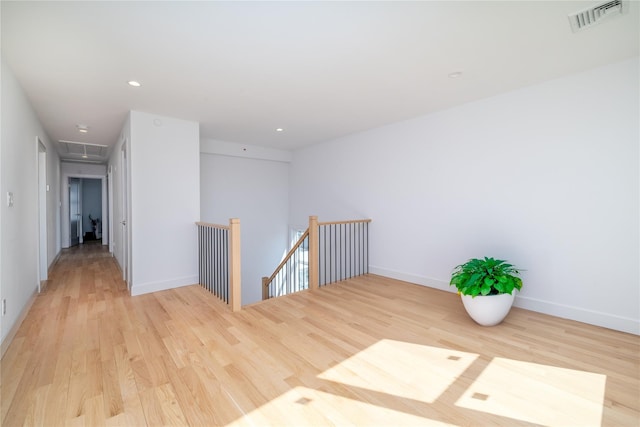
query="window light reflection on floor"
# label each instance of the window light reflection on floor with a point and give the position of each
(303, 406)
(540, 394)
(403, 369)
(364, 390)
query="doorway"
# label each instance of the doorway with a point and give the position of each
(85, 210)
(75, 212)
(69, 181)
(92, 209)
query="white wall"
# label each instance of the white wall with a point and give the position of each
(546, 177)
(249, 183)
(19, 224)
(165, 202)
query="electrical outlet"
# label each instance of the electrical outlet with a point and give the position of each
(4, 306)
(10, 199)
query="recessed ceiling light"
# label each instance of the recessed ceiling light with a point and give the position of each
(455, 74)
(279, 130)
(82, 128)
(134, 83)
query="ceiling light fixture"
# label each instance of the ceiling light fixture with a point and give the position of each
(279, 130)
(455, 74)
(82, 128)
(134, 83)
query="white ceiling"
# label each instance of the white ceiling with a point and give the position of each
(319, 70)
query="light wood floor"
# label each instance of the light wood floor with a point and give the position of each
(369, 351)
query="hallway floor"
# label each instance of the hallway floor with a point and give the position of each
(367, 351)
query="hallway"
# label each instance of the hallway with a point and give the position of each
(90, 354)
(53, 370)
(367, 351)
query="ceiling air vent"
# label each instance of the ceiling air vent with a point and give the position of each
(593, 15)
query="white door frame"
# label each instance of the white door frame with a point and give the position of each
(126, 218)
(65, 206)
(75, 183)
(43, 259)
(110, 208)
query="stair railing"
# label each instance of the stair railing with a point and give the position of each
(292, 274)
(343, 250)
(327, 252)
(219, 260)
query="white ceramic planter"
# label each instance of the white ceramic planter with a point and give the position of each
(488, 310)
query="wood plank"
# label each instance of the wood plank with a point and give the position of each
(367, 351)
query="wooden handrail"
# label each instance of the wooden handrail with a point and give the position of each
(353, 221)
(286, 258)
(313, 256)
(211, 225)
(301, 239)
(220, 278)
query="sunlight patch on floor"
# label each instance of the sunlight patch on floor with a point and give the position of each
(395, 383)
(539, 394)
(403, 369)
(303, 406)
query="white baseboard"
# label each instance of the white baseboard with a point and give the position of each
(177, 282)
(6, 342)
(597, 318)
(55, 260)
(606, 320)
(411, 278)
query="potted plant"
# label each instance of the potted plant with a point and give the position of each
(487, 288)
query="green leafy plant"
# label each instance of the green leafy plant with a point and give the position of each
(486, 276)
